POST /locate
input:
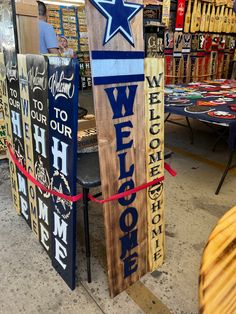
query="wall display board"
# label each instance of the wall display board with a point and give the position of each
(206, 27)
(154, 115)
(44, 142)
(198, 56)
(64, 21)
(117, 55)
(71, 23)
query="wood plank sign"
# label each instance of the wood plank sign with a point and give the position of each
(12, 167)
(117, 54)
(63, 84)
(154, 115)
(45, 143)
(26, 115)
(17, 136)
(2, 126)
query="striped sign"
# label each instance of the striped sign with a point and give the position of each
(111, 67)
(118, 90)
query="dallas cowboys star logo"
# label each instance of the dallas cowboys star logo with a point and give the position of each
(118, 14)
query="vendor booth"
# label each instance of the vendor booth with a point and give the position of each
(133, 57)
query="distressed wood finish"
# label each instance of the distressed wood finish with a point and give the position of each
(27, 133)
(109, 163)
(12, 167)
(154, 118)
(217, 281)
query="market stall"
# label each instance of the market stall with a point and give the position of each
(126, 51)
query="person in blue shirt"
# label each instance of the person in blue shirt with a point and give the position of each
(48, 38)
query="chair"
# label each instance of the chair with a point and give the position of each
(88, 176)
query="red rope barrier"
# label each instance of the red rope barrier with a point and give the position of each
(79, 196)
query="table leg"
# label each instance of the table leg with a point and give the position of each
(228, 167)
(191, 130)
(167, 117)
(86, 232)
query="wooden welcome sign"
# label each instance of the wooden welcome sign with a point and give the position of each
(117, 53)
(63, 82)
(12, 167)
(154, 115)
(45, 144)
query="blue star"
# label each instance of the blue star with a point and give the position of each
(118, 14)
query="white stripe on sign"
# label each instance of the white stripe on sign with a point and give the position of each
(117, 67)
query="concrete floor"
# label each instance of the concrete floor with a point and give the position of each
(28, 283)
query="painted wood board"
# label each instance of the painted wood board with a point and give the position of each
(38, 109)
(118, 74)
(27, 134)
(154, 118)
(14, 103)
(13, 174)
(63, 86)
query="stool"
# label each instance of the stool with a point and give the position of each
(88, 176)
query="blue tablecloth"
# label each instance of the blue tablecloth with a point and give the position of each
(194, 95)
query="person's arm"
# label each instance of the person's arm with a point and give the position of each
(54, 51)
(51, 40)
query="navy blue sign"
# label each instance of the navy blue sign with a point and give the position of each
(63, 85)
(12, 78)
(37, 76)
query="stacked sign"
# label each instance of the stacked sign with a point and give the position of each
(42, 141)
(117, 54)
(2, 123)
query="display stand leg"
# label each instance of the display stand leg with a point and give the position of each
(86, 232)
(228, 167)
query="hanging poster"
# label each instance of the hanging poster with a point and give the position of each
(154, 118)
(63, 85)
(14, 110)
(117, 54)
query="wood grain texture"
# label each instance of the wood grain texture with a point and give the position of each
(217, 281)
(194, 18)
(154, 117)
(12, 167)
(28, 40)
(166, 12)
(187, 18)
(109, 163)
(29, 155)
